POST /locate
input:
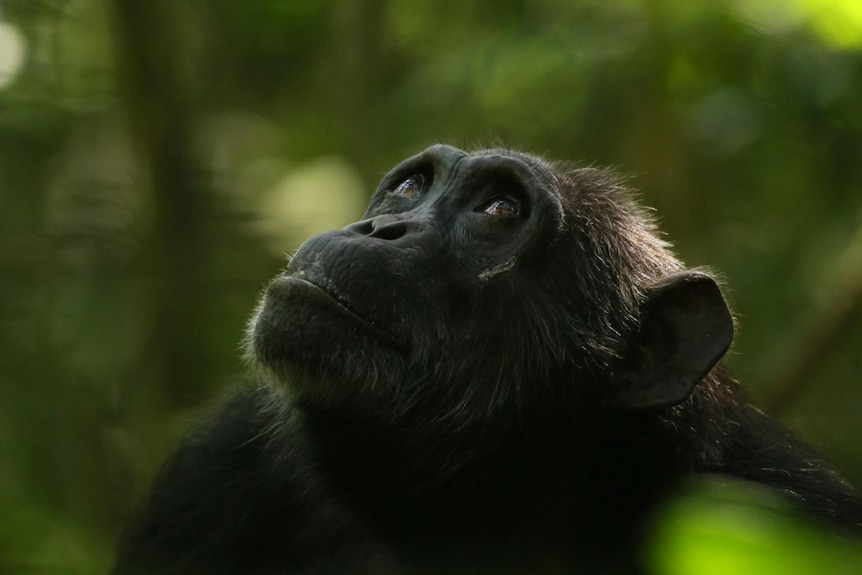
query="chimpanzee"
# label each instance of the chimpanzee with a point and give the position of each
(501, 368)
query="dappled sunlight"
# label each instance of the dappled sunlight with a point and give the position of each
(323, 194)
(838, 23)
(12, 53)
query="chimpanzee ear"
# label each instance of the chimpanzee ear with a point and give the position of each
(685, 328)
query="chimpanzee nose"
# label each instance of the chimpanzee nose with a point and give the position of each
(386, 227)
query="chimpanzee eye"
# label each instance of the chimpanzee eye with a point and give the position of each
(411, 187)
(503, 207)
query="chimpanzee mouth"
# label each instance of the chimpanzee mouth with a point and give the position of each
(325, 291)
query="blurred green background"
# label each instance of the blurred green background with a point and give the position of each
(158, 158)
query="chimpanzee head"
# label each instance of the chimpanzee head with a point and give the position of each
(485, 284)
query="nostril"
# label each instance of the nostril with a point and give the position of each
(383, 227)
(388, 230)
(362, 227)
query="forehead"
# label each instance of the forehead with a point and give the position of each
(444, 163)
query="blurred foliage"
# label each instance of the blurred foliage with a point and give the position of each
(157, 159)
(719, 526)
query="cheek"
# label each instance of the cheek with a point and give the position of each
(477, 243)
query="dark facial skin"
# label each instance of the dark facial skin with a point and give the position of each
(377, 306)
(501, 368)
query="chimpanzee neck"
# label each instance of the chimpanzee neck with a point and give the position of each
(428, 476)
(519, 481)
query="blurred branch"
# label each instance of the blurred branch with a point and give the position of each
(814, 348)
(358, 29)
(155, 43)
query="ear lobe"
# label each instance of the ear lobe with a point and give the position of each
(685, 328)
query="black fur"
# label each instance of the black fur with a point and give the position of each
(501, 369)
